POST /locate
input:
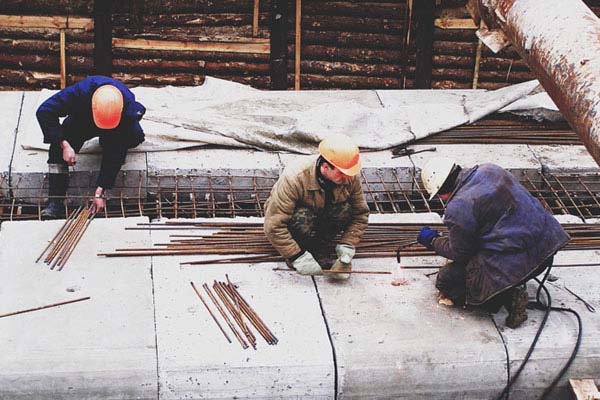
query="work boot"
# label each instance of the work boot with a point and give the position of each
(340, 266)
(58, 184)
(516, 305)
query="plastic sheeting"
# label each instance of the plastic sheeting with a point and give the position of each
(230, 114)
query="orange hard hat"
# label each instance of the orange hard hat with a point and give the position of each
(107, 105)
(341, 152)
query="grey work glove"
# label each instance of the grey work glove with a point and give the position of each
(307, 265)
(345, 252)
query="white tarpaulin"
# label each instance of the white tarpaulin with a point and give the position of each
(230, 114)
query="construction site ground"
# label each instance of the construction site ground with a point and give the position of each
(144, 334)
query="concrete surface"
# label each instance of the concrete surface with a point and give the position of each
(145, 334)
(96, 349)
(195, 360)
(565, 159)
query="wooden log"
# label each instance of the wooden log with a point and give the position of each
(353, 24)
(44, 7)
(351, 39)
(467, 75)
(450, 84)
(345, 68)
(194, 33)
(186, 6)
(46, 63)
(347, 82)
(34, 79)
(193, 19)
(190, 66)
(189, 55)
(352, 8)
(159, 79)
(51, 22)
(72, 35)
(455, 23)
(317, 52)
(43, 47)
(257, 46)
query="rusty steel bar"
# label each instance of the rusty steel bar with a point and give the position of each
(225, 317)
(44, 307)
(210, 312)
(560, 42)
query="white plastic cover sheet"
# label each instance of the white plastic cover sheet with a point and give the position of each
(230, 114)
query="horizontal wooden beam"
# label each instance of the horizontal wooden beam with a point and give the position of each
(259, 46)
(455, 23)
(56, 22)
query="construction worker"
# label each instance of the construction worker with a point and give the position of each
(499, 236)
(313, 201)
(97, 106)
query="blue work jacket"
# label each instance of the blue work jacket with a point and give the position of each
(498, 230)
(75, 103)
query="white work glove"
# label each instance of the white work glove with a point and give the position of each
(307, 265)
(345, 252)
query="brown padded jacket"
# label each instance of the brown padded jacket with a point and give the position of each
(298, 186)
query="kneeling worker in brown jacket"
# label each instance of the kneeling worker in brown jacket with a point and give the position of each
(312, 202)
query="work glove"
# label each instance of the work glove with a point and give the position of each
(345, 252)
(307, 265)
(426, 236)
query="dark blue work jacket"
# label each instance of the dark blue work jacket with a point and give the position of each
(498, 230)
(75, 103)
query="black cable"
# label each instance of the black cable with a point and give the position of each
(547, 308)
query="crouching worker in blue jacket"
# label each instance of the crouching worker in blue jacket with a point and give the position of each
(97, 106)
(499, 236)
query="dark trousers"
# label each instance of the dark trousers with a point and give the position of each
(315, 231)
(451, 282)
(70, 134)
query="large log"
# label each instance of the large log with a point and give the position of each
(254, 46)
(194, 19)
(187, 66)
(486, 63)
(465, 75)
(46, 63)
(353, 24)
(192, 33)
(34, 79)
(353, 8)
(45, 7)
(188, 55)
(149, 79)
(351, 39)
(51, 22)
(315, 52)
(346, 82)
(43, 47)
(345, 68)
(76, 35)
(186, 6)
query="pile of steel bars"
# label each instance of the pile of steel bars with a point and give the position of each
(248, 243)
(62, 245)
(232, 302)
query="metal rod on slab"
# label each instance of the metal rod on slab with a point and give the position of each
(210, 312)
(44, 307)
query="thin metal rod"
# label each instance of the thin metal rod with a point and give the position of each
(225, 317)
(210, 312)
(44, 307)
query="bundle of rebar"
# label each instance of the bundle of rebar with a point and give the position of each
(232, 302)
(248, 243)
(62, 245)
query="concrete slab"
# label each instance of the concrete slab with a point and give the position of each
(30, 168)
(9, 120)
(196, 361)
(519, 159)
(565, 159)
(559, 336)
(96, 349)
(395, 342)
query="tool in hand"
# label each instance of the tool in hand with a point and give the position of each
(405, 151)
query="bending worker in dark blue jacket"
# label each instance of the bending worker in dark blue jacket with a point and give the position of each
(97, 106)
(499, 236)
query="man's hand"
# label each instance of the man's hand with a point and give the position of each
(307, 265)
(99, 202)
(345, 252)
(426, 236)
(68, 153)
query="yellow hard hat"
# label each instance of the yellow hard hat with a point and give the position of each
(341, 152)
(434, 174)
(107, 106)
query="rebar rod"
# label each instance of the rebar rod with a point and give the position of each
(225, 317)
(44, 307)
(235, 314)
(210, 312)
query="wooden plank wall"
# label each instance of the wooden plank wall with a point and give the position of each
(352, 44)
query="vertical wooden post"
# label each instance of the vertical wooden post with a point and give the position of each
(63, 60)
(103, 37)
(424, 11)
(298, 45)
(279, 32)
(477, 62)
(406, 30)
(255, 18)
